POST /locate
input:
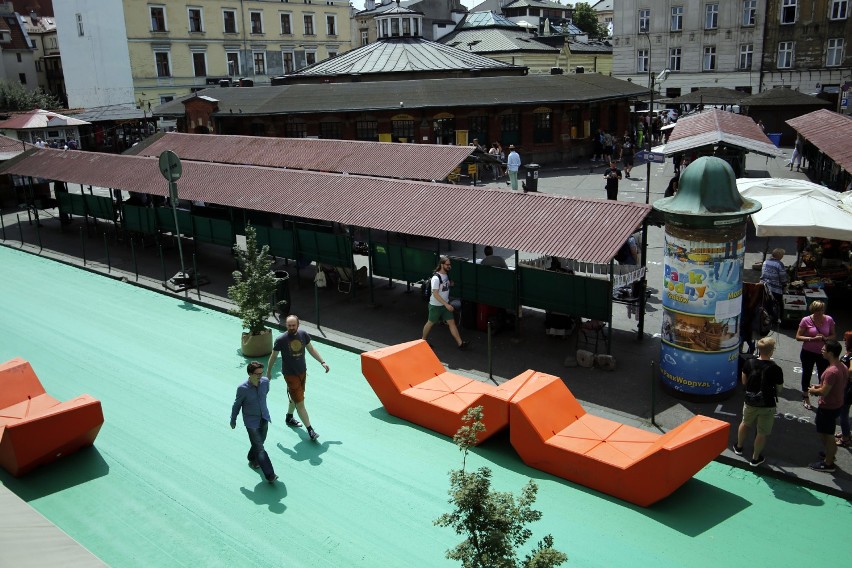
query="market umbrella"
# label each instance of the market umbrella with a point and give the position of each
(710, 96)
(797, 208)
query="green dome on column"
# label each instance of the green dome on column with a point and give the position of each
(707, 188)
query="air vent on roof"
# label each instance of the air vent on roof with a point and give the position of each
(556, 71)
(580, 69)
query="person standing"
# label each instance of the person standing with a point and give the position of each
(830, 391)
(513, 164)
(844, 439)
(251, 400)
(627, 151)
(774, 275)
(814, 330)
(763, 379)
(612, 174)
(492, 259)
(440, 308)
(292, 345)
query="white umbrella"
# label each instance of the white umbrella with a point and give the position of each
(796, 208)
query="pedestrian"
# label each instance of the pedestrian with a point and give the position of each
(796, 158)
(492, 259)
(251, 400)
(627, 151)
(677, 160)
(292, 346)
(607, 146)
(763, 380)
(39, 143)
(774, 275)
(513, 164)
(440, 308)
(761, 125)
(814, 330)
(671, 189)
(830, 391)
(612, 174)
(844, 439)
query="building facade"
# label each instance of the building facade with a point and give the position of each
(17, 60)
(48, 62)
(120, 51)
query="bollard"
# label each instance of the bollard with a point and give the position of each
(83, 245)
(133, 257)
(106, 249)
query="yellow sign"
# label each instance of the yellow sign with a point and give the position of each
(471, 169)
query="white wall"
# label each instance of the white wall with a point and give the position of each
(96, 65)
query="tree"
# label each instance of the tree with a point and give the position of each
(493, 521)
(15, 97)
(586, 19)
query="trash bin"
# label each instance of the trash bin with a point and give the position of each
(775, 138)
(531, 183)
(282, 293)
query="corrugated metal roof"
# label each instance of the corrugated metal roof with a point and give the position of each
(495, 40)
(710, 96)
(782, 97)
(828, 131)
(487, 19)
(716, 126)
(582, 229)
(424, 162)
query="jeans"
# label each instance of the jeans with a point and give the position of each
(844, 421)
(257, 453)
(809, 359)
(513, 179)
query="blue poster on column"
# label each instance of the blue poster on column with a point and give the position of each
(702, 299)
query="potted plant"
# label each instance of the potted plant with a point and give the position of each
(253, 289)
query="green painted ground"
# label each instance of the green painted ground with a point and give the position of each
(167, 484)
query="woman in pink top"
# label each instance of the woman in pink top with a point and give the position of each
(814, 331)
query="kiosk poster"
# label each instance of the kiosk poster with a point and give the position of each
(702, 297)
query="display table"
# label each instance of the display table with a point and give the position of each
(797, 306)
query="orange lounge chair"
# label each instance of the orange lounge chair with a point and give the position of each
(35, 428)
(551, 432)
(412, 384)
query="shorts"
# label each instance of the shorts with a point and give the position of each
(628, 160)
(296, 386)
(826, 420)
(438, 313)
(763, 416)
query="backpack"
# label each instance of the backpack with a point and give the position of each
(757, 389)
(427, 286)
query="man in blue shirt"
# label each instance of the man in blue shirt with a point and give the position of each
(251, 399)
(513, 164)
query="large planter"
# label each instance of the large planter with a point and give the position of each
(257, 345)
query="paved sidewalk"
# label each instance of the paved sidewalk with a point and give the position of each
(393, 315)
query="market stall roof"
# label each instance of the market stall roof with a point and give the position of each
(717, 127)
(830, 132)
(796, 208)
(782, 98)
(709, 96)
(10, 147)
(590, 230)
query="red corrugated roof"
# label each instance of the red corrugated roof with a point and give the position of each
(382, 159)
(582, 229)
(828, 131)
(716, 126)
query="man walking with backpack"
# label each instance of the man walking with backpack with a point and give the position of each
(762, 379)
(440, 308)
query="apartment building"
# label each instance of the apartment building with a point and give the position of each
(149, 52)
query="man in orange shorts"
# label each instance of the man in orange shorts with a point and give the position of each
(292, 346)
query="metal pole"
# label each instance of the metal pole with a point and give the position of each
(106, 248)
(3, 227)
(83, 245)
(133, 256)
(490, 355)
(163, 265)
(173, 199)
(20, 229)
(316, 305)
(195, 275)
(38, 233)
(653, 395)
(370, 264)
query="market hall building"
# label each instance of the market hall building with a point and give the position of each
(404, 88)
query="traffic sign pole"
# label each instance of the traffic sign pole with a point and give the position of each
(171, 169)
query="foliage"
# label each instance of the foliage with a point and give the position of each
(493, 521)
(16, 97)
(586, 19)
(254, 285)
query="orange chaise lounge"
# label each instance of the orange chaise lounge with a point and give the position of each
(551, 432)
(35, 428)
(413, 385)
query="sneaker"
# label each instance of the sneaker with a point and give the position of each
(754, 462)
(738, 450)
(313, 434)
(822, 466)
(271, 479)
(292, 422)
(254, 465)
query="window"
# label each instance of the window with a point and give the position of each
(199, 64)
(287, 60)
(510, 129)
(22, 77)
(395, 27)
(256, 19)
(230, 18)
(677, 18)
(38, 66)
(310, 57)
(367, 130)
(785, 55)
(674, 59)
(232, 60)
(331, 53)
(166, 99)
(195, 20)
(711, 16)
(259, 62)
(478, 128)
(80, 25)
(286, 24)
(543, 128)
(749, 12)
(365, 38)
(18, 55)
(746, 54)
(406, 27)
(644, 20)
(295, 130)
(161, 58)
(834, 53)
(709, 58)
(839, 8)
(788, 11)
(331, 25)
(331, 130)
(642, 63)
(309, 24)
(402, 130)
(158, 18)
